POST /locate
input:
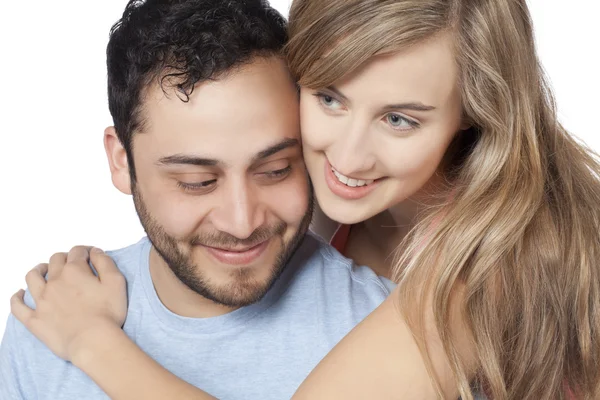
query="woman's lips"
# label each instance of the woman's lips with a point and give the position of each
(344, 191)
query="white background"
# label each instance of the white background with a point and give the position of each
(55, 188)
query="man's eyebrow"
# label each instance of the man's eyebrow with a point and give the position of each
(185, 159)
(276, 148)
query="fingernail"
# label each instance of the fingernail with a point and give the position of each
(96, 250)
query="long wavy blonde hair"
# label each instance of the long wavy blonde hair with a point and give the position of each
(520, 237)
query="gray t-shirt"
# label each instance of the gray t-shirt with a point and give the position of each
(263, 351)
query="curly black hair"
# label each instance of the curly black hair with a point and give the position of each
(181, 43)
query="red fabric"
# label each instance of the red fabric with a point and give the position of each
(340, 238)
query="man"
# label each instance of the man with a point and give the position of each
(226, 292)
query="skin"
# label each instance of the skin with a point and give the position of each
(351, 127)
(357, 138)
(224, 171)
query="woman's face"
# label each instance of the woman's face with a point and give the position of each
(377, 137)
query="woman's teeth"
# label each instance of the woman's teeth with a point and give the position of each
(351, 182)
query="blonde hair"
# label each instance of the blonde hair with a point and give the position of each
(520, 237)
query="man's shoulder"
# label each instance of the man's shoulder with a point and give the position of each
(26, 364)
(29, 370)
(333, 271)
(333, 293)
(20, 349)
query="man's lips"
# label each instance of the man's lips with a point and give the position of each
(238, 255)
(235, 249)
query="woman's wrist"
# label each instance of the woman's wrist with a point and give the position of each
(98, 343)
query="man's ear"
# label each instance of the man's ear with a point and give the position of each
(117, 160)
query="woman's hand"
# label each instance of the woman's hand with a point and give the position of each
(74, 307)
(79, 316)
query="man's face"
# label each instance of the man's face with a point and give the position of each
(221, 187)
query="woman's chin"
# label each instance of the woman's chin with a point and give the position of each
(346, 214)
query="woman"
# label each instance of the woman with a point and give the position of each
(431, 135)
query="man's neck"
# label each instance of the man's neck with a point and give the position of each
(176, 296)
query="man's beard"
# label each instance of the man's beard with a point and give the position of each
(243, 288)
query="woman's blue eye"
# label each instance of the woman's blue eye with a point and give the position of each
(328, 101)
(397, 121)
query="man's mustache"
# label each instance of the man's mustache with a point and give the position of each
(220, 239)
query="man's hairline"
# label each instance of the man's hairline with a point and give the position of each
(154, 81)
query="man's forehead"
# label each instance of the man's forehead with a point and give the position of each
(260, 70)
(230, 121)
(247, 100)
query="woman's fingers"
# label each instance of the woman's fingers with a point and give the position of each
(104, 265)
(36, 283)
(56, 265)
(20, 310)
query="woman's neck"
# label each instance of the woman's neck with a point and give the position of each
(374, 242)
(377, 241)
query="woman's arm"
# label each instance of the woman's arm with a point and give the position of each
(378, 359)
(79, 317)
(125, 372)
